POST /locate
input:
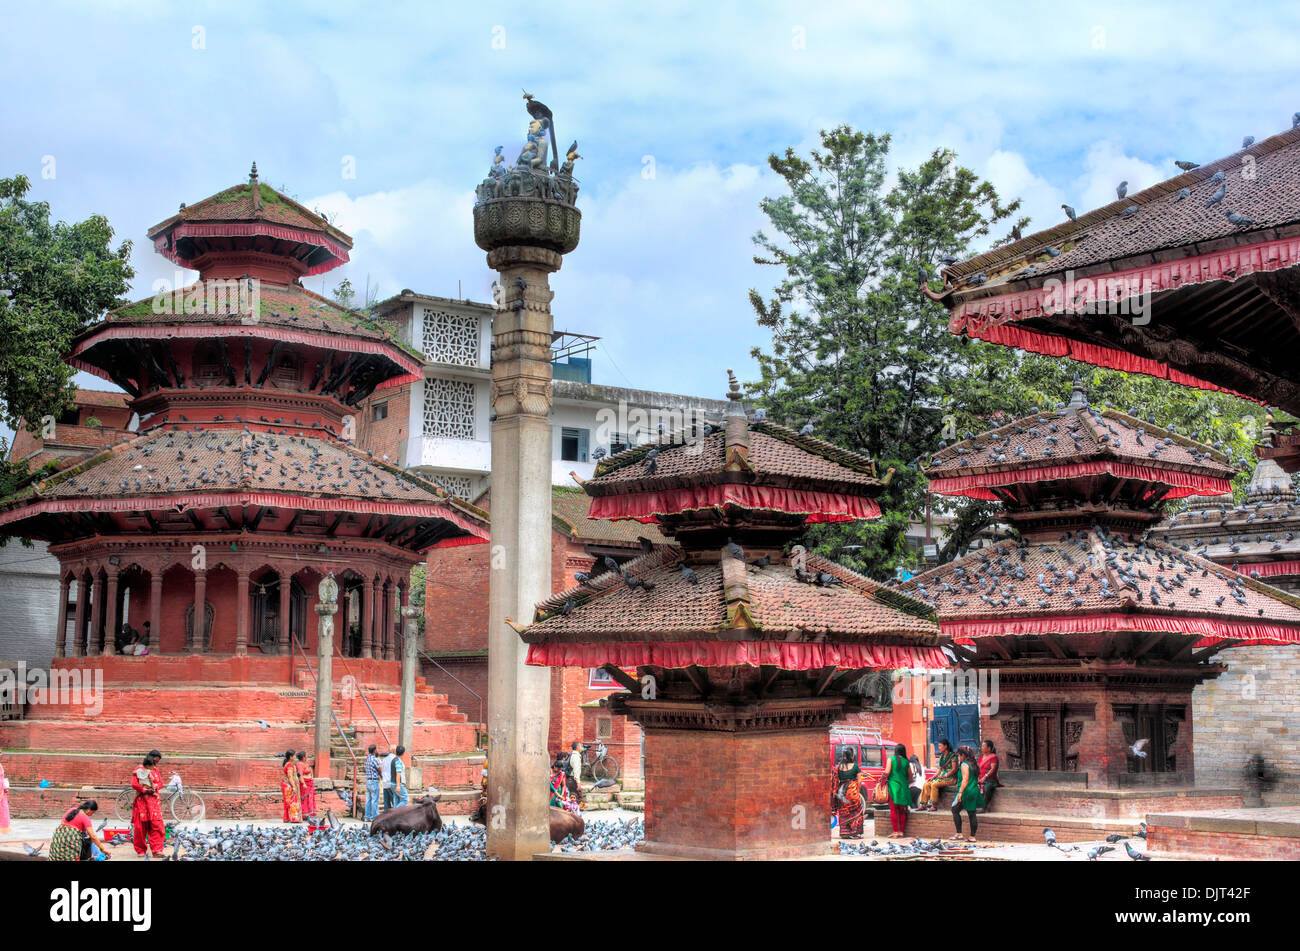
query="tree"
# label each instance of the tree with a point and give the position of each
(55, 280)
(855, 347)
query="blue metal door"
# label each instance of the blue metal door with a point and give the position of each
(958, 723)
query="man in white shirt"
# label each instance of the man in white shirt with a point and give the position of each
(386, 771)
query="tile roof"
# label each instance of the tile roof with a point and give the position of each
(1077, 434)
(777, 455)
(236, 204)
(779, 606)
(569, 507)
(1092, 572)
(1262, 183)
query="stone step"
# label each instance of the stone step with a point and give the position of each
(1009, 827)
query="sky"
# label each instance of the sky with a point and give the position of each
(385, 115)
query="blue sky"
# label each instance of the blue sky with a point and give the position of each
(137, 107)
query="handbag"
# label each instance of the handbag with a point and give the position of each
(880, 794)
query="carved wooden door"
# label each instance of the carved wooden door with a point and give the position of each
(1041, 748)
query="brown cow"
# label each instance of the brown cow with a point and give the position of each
(418, 816)
(563, 822)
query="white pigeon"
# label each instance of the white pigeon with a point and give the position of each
(1138, 749)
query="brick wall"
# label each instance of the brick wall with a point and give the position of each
(385, 436)
(456, 598)
(760, 795)
(1253, 707)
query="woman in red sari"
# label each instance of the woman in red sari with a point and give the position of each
(146, 811)
(307, 784)
(290, 787)
(848, 796)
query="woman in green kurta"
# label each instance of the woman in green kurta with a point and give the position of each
(968, 795)
(947, 776)
(898, 774)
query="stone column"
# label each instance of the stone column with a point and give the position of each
(388, 621)
(520, 577)
(79, 620)
(286, 588)
(155, 611)
(96, 617)
(369, 612)
(326, 607)
(200, 610)
(112, 624)
(61, 636)
(241, 617)
(406, 712)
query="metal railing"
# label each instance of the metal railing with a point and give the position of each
(480, 737)
(362, 694)
(352, 805)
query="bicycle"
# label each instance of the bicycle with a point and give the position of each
(598, 762)
(185, 804)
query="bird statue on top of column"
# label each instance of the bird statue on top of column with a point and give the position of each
(539, 112)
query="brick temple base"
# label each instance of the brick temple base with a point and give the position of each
(734, 796)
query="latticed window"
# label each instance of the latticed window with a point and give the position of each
(448, 408)
(459, 486)
(450, 338)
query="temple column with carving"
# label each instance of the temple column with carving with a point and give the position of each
(241, 616)
(199, 621)
(96, 616)
(406, 707)
(155, 610)
(371, 611)
(61, 635)
(79, 618)
(283, 647)
(326, 607)
(110, 605)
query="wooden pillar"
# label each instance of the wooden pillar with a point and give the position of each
(79, 619)
(328, 604)
(200, 610)
(110, 605)
(155, 611)
(286, 587)
(241, 622)
(61, 636)
(96, 617)
(372, 647)
(390, 636)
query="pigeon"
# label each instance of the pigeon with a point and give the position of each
(1295, 121)
(1217, 196)
(1218, 176)
(651, 461)
(1134, 854)
(1247, 141)
(1183, 193)
(646, 544)
(1121, 189)
(1050, 837)
(263, 724)
(1096, 853)
(1052, 252)
(1187, 166)
(1069, 212)
(735, 551)
(32, 851)
(1129, 212)
(1115, 837)
(807, 429)
(689, 574)
(761, 563)
(1138, 749)
(1241, 221)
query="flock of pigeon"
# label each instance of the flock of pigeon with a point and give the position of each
(1097, 851)
(353, 843)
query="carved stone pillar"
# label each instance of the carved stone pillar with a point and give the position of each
(110, 605)
(241, 622)
(155, 611)
(200, 611)
(79, 619)
(96, 616)
(406, 709)
(284, 648)
(326, 607)
(61, 636)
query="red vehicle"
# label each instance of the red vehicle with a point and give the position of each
(870, 750)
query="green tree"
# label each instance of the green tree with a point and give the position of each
(856, 348)
(55, 280)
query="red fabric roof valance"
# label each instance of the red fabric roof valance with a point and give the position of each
(728, 653)
(1212, 630)
(975, 486)
(819, 506)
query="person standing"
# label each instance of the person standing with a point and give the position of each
(573, 770)
(374, 780)
(848, 796)
(307, 784)
(146, 810)
(967, 795)
(933, 789)
(4, 801)
(385, 779)
(898, 776)
(988, 772)
(397, 776)
(74, 839)
(290, 788)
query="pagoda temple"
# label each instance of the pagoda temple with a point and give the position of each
(742, 652)
(1098, 632)
(1194, 280)
(209, 529)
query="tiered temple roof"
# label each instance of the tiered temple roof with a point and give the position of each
(1222, 313)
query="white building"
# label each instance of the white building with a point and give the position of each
(441, 426)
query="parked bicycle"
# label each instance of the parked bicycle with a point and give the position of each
(598, 762)
(185, 804)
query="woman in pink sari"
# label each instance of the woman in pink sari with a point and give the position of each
(4, 802)
(307, 785)
(289, 787)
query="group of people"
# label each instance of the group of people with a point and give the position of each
(385, 780)
(566, 768)
(903, 787)
(130, 642)
(298, 786)
(75, 838)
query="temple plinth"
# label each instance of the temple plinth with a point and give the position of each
(526, 221)
(743, 642)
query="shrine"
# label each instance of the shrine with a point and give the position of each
(1098, 632)
(742, 654)
(191, 550)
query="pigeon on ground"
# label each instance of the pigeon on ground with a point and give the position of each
(1134, 854)
(1050, 837)
(1115, 837)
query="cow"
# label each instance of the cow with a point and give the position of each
(563, 822)
(418, 816)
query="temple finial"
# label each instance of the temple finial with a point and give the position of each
(252, 175)
(1078, 395)
(733, 391)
